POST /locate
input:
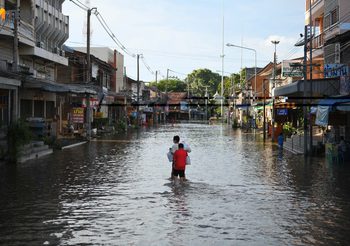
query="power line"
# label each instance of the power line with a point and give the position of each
(146, 65)
(80, 5)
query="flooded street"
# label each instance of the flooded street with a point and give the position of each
(117, 192)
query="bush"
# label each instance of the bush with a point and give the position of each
(18, 135)
(121, 125)
(288, 129)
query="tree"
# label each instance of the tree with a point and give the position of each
(173, 84)
(200, 79)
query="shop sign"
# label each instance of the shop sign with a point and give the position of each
(291, 71)
(94, 103)
(148, 110)
(283, 111)
(335, 70)
(78, 115)
(183, 106)
(98, 115)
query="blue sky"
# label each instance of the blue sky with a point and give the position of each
(184, 35)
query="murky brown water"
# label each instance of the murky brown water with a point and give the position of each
(240, 192)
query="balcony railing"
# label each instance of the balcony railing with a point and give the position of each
(318, 41)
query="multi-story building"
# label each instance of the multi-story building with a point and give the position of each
(30, 45)
(337, 38)
(115, 59)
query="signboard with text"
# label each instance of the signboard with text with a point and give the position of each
(290, 68)
(335, 70)
(78, 115)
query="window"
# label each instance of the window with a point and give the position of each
(26, 109)
(331, 18)
(50, 110)
(39, 109)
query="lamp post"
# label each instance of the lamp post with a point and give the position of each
(275, 42)
(255, 57)
(223, 61)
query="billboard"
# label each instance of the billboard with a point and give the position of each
(288, 70)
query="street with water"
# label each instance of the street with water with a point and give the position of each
(116, 191)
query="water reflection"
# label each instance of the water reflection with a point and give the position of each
(115, 191)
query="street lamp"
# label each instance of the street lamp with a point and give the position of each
(275, 42)
(255, 56)
(242, 47)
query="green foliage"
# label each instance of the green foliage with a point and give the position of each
(172, 84)
(100, 122)
(201, 78)
(18, 134)
(288, 129)
(121, 125)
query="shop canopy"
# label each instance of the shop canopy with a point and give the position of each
(58, 87)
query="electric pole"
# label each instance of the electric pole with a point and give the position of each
(305, 81)
(311, 92)
(138, 91)
(15, 38)
(88, 73)
(273, 86)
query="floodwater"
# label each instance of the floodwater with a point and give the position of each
(117, 191)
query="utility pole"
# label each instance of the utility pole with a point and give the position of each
(88, 74)
(206, 103)
(311, 92)
(157, 77)
(15, 38)
(222, 61)
(305, 82)
(138, 91)
(264, 126)
(273, 97)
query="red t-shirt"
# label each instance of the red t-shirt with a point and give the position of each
(180, 159)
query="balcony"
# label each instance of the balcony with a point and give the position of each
(317, 10)
(42, 53)
(318, 41)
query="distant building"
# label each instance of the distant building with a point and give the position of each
(115, 59)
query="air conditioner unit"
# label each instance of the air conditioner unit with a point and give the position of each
(332, 54)
(40, 44)
(56, 51)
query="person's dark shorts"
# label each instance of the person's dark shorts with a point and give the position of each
(180, 173)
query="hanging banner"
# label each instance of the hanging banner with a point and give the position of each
(344, 85)
(322, 115)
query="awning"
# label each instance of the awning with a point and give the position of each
(324, 87)
(59, 88)
(341, 104)
(260, 106)
(285, 105)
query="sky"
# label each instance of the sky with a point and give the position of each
(184, 35)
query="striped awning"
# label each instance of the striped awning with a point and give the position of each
(287, 105)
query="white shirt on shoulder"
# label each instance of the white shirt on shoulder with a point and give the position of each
(176, 147)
